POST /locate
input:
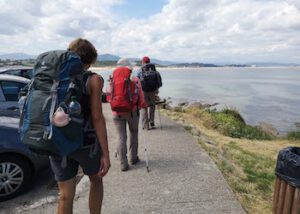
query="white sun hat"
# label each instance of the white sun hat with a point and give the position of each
(124, 62)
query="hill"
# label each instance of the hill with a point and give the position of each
(16, 56)
(108, 57)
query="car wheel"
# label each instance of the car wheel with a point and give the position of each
(15, 176)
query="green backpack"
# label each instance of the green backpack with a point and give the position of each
(57, 75)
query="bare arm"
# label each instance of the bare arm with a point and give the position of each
(95, 90)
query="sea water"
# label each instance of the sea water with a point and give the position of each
(270, 95)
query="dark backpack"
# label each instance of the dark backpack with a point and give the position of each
(149, 78)
(123, 90)
(57, 75)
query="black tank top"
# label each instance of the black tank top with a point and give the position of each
(90, 136)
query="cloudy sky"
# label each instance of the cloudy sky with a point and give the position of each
(178, 30)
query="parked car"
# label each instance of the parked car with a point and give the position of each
(18, 165)
(10, 87)
(22, 71)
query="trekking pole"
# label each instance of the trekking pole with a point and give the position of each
(146, 150)
(158, 103)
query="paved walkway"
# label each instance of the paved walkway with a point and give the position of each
(182, 178)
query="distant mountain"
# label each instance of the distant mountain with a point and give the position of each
(108, 57)
(16, 56)
(113, 58)
(155, 61)
(102, 57)
(161, 62)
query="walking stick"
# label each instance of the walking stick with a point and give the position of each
(158, 103)
(146, 150)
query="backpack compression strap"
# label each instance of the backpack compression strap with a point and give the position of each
(53, 97)
(129, 89)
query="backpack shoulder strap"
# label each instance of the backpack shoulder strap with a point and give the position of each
(86, 78)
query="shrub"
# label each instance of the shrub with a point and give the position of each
(230, 123)
(178, 109)
(235, 114)
(294, 135)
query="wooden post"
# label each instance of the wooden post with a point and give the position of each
(282, 191)
(288, 200)
(276, 194)
(296, 202)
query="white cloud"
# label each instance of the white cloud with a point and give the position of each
(295, 3)
(194, 30)
(40, 25)
(184, 30)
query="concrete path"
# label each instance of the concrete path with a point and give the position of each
(182, 178)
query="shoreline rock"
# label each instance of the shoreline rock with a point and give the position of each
(264, 126)
(268, 128)
(297, 125)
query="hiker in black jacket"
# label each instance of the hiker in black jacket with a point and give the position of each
(151, 82)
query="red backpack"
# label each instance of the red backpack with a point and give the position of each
(123, 91)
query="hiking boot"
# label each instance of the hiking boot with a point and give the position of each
(146, 127)
(152, 125)
(135, 161)
(124, 168)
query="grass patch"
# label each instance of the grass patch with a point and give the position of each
(250, 175)
(188, 128)
(257, 169)
(178, 109)
(226, 166)
(295, 135)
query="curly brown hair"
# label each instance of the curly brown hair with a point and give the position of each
(85, 49)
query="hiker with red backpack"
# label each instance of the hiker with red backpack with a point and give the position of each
(151, 81)
(126, 99)
(62, 117)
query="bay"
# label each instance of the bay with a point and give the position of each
(270, 95)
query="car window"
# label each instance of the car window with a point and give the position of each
(27, 73)
(13, 72)
(11, 90)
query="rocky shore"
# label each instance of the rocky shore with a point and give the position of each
(182, 106)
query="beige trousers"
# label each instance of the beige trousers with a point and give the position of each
(121, 122)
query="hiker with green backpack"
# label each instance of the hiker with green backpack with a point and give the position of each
(126, 99)
(62, 117)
